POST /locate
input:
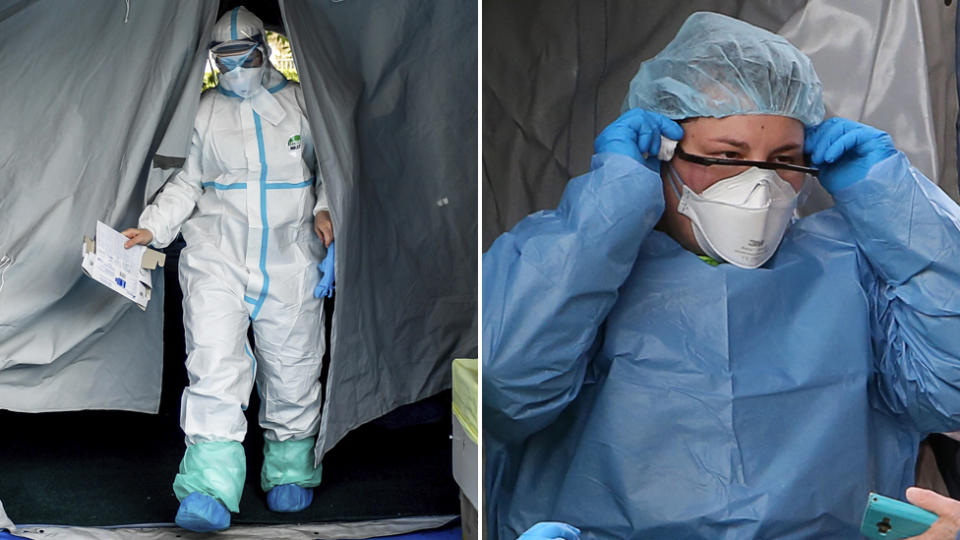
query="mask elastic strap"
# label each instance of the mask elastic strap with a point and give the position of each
(802, 195)
(805, 190)
(674, 179)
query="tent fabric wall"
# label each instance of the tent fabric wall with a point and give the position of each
(940, 45)
(892, 68)
(89, 89)
(404, 205)
(555, 76)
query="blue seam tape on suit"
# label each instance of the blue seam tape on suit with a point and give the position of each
(215, 185)
(233, 23)
(279, 86)
(274, 185)
(289, 185)
(263, 217)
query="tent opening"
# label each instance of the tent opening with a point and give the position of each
(281, 56)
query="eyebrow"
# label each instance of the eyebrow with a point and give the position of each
(786, 147)
(742, 145)
(732, 142)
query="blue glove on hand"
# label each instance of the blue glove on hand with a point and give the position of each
(845, 150)
(637, 134)
(551, 530)
(325, 287)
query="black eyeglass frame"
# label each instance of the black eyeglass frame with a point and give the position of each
(704, 160)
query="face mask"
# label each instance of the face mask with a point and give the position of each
(740, 219)
(242, 81)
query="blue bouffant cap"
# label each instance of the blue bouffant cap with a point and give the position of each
(719, 66)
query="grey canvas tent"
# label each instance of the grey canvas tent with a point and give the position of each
(97, 105)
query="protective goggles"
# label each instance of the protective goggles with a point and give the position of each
(233, 54)
(744, 164)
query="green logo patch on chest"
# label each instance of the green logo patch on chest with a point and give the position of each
(294, 143)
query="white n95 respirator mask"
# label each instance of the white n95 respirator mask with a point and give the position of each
(741, 219)
(243, 81)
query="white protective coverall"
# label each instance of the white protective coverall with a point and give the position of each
(246, 199)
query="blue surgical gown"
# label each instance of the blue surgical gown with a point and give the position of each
(634, 391)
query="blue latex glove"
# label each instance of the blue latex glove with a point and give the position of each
(325, 287)
(845, 150)
(637, 134)
(550, 530)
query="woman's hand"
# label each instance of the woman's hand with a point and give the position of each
(845, 151)
(637, 134)
(137, 237)
(947, 525)
(323, 226)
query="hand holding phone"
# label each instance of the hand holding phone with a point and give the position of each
(889, 519)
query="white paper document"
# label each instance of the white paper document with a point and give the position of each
(116, 267)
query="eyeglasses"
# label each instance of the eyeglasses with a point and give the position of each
(725, 168)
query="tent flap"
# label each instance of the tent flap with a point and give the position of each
(390, 89)
(84, 114)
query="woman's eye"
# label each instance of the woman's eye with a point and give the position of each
(785, 159)
(728, 154)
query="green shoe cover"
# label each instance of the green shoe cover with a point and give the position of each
(289, 462)
(217, 469)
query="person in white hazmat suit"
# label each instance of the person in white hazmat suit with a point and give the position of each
(254, 216)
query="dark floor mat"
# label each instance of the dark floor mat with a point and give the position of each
(108, 468)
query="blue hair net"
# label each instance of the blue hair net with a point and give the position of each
(719, 66)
